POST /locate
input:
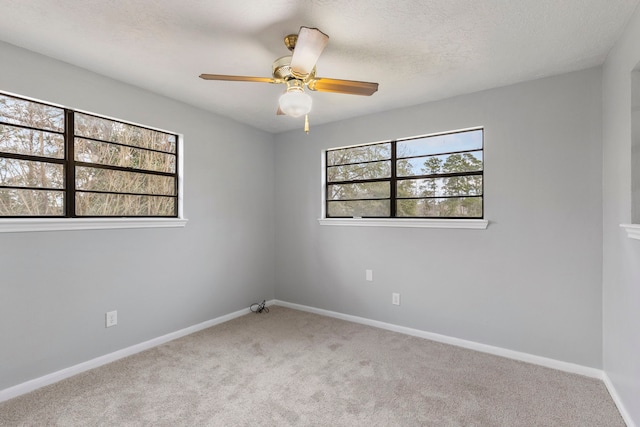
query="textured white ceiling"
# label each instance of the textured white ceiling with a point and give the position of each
(417, 50)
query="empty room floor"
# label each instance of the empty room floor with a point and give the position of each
(291, 368)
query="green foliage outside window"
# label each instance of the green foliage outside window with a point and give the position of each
(438, 176)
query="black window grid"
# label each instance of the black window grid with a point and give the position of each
(70, 164)
(394, 179)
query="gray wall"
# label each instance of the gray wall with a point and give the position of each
(55, 287)
(621, 285)
(531, 282)
(635, 145)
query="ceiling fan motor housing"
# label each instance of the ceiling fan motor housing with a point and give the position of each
(282, 70)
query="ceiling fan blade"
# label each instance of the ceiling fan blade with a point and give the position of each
(349, 87)
(239, 78)
(310, 44)
(280, 112)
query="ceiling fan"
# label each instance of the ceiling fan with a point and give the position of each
(299, 70)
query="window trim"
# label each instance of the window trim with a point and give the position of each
(633, 230)
(402, 222)
(39, 223)
(478, 224)
(15, 225)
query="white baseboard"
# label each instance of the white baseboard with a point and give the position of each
(54, 377)
(616, 399)
(499, 351)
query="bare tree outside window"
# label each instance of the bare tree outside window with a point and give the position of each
(117, 169)
(109, 152)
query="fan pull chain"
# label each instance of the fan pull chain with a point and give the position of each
(306, 124)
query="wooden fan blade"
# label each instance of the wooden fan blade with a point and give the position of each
(349, 87)
(239, 78)
(280, 112)
(310, 44)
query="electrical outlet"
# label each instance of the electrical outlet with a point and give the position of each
(369, 275)
(395, 298)
(111, 318)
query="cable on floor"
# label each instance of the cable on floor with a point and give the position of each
(259, 308)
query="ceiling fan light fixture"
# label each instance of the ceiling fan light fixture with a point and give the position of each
(295, 102)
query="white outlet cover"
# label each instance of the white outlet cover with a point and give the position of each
(369, 275)
(111, 318)
(395, 299)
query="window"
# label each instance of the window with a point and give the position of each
(56, 162)
(435, 176)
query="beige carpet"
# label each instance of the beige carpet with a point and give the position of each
(288, 368)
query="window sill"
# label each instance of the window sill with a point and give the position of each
(14, 225)
(479, 224)
(633, 230)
